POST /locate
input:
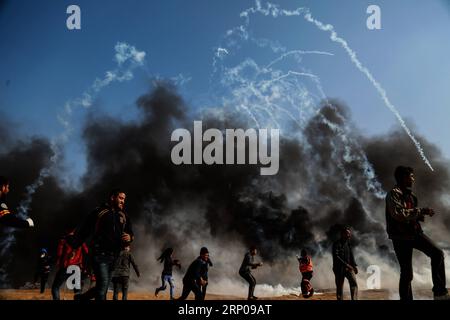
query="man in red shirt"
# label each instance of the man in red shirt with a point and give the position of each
(67, 256)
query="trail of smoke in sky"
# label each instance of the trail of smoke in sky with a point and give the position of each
(127, 58)
(275, 11)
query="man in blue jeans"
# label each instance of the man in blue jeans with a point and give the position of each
(110, 230)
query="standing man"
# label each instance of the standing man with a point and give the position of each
(193, 280)
(109, 228)
(403, 218)
(344, 265)
(245, 271)
(6, 217)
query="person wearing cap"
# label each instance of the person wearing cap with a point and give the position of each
(193, 279)
(245, 271)
(7, 218)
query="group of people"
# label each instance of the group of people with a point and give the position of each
(107, 260)
(196, 277)
(108, 231)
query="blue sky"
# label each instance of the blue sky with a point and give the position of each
(43, 64)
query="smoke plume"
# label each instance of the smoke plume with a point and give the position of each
(329, 175)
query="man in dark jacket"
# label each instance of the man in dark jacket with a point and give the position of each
(110, 230)
(204, 272)
(403, 217)
(7, 218)
(193, 280)
(245, 271)
(344, 265)
(121, 273)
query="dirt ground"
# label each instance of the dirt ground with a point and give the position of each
(33, 294)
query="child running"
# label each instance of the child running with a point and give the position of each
(166, 258)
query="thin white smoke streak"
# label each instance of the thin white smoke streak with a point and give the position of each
(297, 52)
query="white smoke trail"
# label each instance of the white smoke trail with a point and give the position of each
(297, 53)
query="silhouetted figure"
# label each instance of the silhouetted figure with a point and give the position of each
(344, 265)
(7, 218)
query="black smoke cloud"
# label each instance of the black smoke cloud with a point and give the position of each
(323, 182)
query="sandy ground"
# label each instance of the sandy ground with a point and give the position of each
(33, 294)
